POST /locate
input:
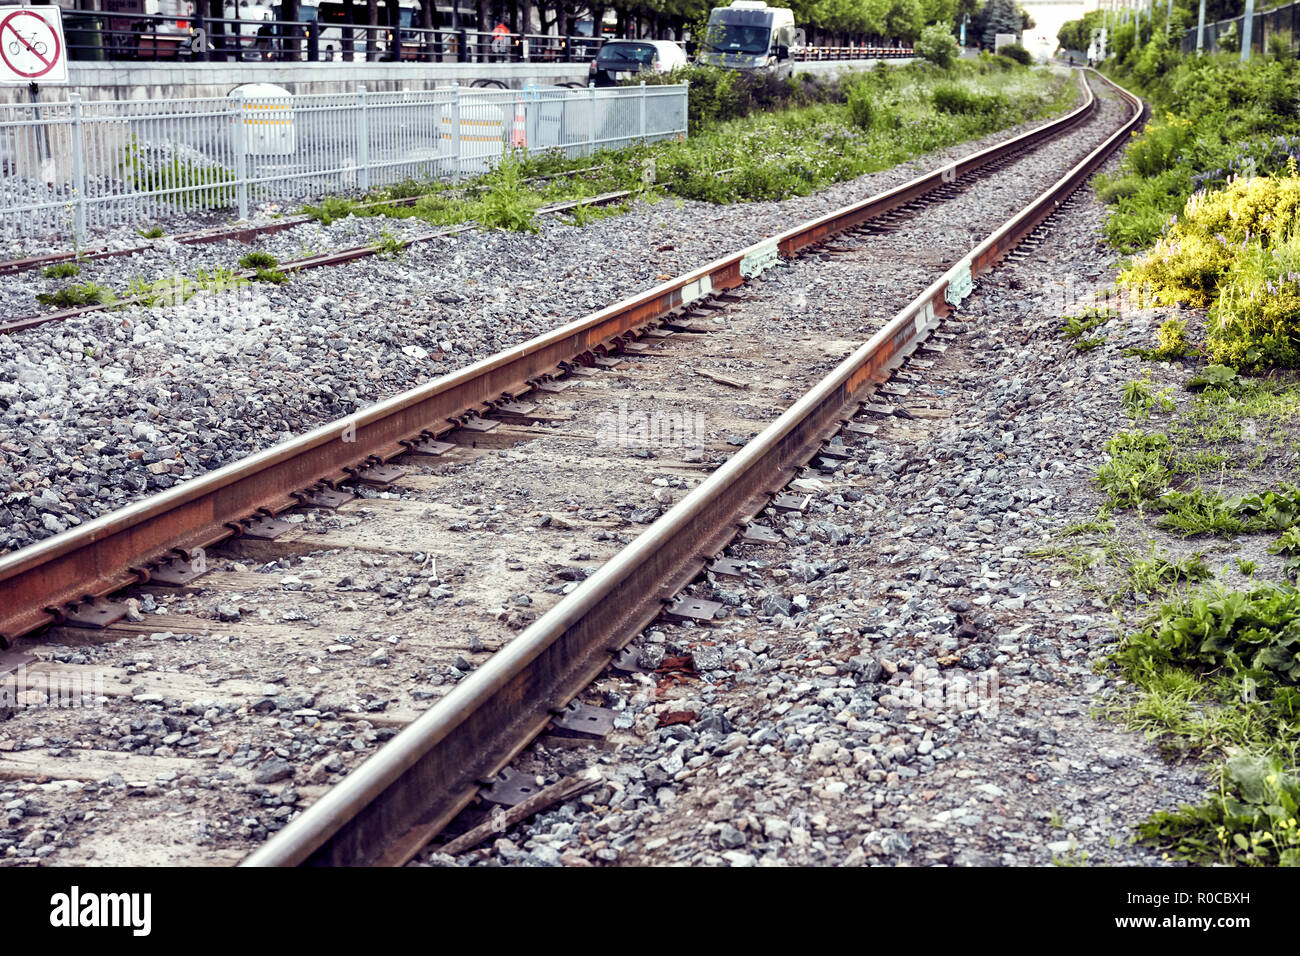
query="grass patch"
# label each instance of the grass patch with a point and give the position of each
(1139, 468)
(74, 296)
(764, 139)
(62, 270)
(173, 290)
(258, 260)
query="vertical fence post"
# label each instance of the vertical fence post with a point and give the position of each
(78, 172)
(455, 132)
(363, 142)
(591, 119)
(1247, 25)
(241, 153)
(643, 111)
(686, 107)
(1200, 29)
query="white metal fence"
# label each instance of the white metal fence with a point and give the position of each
(72, 166)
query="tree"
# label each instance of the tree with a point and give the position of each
(1001, 16)
(1077, 34)
(938, 45)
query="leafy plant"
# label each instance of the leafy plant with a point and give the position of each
(62, 270)
(389, 245)
(153, 232)
(1140, 397)
(1288, 544)
(272, 276)
(1216, 376)
(1077, 326)
(1138, 468)
(1251, 821)
(74, 296)
(258, 260)
(508, 204)
(1171, 340)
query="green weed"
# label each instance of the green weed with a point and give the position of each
(74, 296)
(62, 270)
(258, 260)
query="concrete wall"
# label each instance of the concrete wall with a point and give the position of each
(156, 81)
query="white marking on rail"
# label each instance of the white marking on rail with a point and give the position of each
(697, 289)
(960, 284)
(760, 260)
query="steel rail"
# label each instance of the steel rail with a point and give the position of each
(335, 258)
(390, 806)
(38, 583)
(237, 233)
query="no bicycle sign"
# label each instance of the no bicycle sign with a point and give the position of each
(32, 49)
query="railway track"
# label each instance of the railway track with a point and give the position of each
(337, 257)
(351, 616)
(240, 232)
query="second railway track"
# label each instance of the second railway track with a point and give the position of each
(302, 652)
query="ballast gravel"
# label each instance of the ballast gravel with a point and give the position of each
(99, 411)
(901, 679)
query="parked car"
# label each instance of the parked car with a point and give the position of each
(622, 59)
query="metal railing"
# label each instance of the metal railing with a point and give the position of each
(116, 36)
(817, 53)
(71, 166)
(1266, 24)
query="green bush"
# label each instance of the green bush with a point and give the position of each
(1256, 325)
(951, 98)
(1171, 339)
(937, 45)
(1018, 53)
(1229, 42)
(861, 107)
(1280, 45)
(1236, 250)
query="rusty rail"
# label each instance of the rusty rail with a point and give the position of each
(338, 257)
(391, 805)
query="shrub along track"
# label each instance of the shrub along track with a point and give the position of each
(392, 804)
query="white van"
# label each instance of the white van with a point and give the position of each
(749, 35)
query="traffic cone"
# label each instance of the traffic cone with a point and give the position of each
(519, 130)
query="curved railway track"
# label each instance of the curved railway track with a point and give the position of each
(693, 331)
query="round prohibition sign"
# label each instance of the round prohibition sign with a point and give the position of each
(28, 45)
